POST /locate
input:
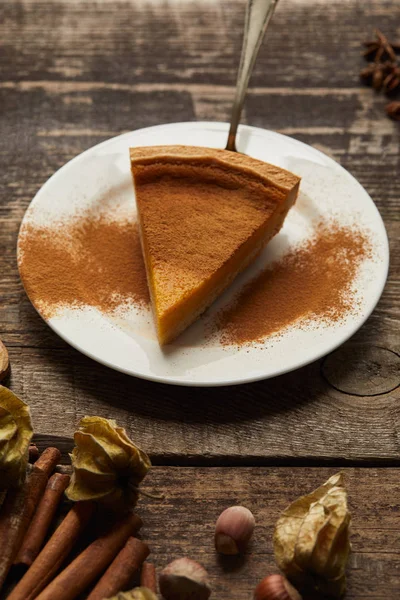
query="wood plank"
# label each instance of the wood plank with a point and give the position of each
(186, 40)
(182, 524)
(75, 73)
(296, 416)
(196, 496)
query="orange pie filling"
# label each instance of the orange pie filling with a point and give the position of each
(204, 215)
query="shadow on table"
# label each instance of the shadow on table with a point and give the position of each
(212, 405)
(97, 389)
(193, 404)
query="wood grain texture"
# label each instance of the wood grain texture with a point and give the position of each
(75, 73)
(182, 524)
(195, 497)
(292, 417)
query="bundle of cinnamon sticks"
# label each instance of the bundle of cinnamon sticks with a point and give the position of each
(27, 515)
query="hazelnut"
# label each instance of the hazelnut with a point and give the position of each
(275, 587)
(233, 530)
(4, 362)
(184, 579)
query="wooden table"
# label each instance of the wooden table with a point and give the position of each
(75, 72)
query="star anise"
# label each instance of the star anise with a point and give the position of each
(393, 110)
(384, 70)
(376, 74)
(392, 79)
(381, 49)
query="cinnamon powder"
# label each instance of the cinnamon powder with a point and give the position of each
(91, 261)
(312, 283)
(97, 262)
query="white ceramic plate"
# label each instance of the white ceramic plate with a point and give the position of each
(128, 343)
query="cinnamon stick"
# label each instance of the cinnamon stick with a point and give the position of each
(119, 574)
(41, 522)
(48, 460)
(16, 514)
(50, 559)
(86, 567)
(10, 519)
(148, 577)
(33, 453)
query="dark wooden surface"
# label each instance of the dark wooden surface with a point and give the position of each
(182, 523)
(195, 498)
(73, 73)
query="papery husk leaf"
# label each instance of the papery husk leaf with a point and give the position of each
(140, 593)
(92, 485)
(116, 444)
(311, 540)
(15, 435)
(315, 519)
(290, 522)
(107, 465)
(328, 558)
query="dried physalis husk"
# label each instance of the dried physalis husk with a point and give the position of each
(140, 593)
(15, 435)
(107, 466)
(311, 540)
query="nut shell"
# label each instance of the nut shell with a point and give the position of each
(275, 587)
(184, 579)
(4, 362)
(233, 530)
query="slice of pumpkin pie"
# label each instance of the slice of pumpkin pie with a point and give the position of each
(204, 215)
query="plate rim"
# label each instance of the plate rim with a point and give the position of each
(174, 380)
